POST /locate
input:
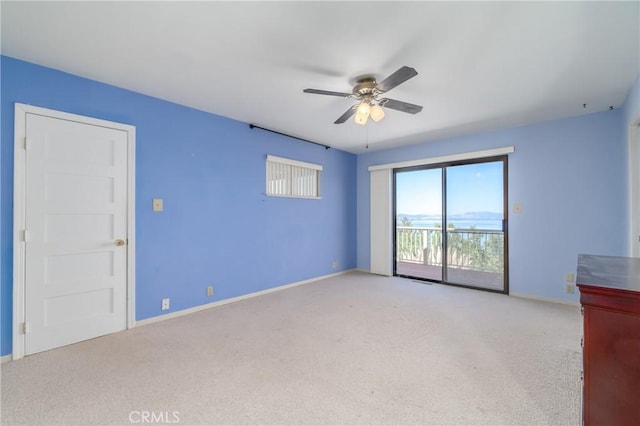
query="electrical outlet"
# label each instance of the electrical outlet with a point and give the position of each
(569, 288)
(210, 291)
(158, 205)
(335, 264)
(165, 304)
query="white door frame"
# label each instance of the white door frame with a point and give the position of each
(381, 254)
(634, 187)
(19, 188)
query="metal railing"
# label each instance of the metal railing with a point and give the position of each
(476, 249)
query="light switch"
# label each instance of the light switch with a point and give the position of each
(157, 204)
(517, 208)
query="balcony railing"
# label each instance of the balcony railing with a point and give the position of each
(476, 249)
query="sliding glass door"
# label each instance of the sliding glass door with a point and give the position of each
(450, 223)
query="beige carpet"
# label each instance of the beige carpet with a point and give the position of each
(355, 349)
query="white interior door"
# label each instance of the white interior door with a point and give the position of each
(75, 218)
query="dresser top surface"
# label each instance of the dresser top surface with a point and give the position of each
(609, 271)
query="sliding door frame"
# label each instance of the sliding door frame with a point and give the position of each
(505, 215)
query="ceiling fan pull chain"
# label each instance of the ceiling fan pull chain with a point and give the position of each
(366, 129)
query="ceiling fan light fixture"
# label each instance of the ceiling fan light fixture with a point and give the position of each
(362, 114)
(364, 108)
(377, 113)
(361, 118)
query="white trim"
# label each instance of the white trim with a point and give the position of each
(446, 158)
(20, 122)
(634, 188)
(544, 299)
(294, 162)
(188, 311)
(292, 196)
(5, 358)
(131, 227)
(19, 168)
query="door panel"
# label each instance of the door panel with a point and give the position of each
(380, 220)
(76, 207)
(475, 213)
(419, 224)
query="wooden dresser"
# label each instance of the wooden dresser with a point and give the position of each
(610, 298)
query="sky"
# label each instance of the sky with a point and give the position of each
(470, 188)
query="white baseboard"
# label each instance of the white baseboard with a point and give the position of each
(545, 299)
(235, 299)
(520, 295)
(6, 358)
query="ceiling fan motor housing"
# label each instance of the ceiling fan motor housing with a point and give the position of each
(364, 87)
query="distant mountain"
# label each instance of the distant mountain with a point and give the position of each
(419, 216)
(477, 216)
(463, 216)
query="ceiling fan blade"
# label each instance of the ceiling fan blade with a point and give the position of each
(344, 117)
(397, 78)
(327, 92)
(400, 106)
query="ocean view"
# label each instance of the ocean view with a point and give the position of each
(477, 220)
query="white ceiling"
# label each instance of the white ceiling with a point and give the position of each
(481, 65)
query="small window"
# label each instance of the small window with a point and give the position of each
(291, 178)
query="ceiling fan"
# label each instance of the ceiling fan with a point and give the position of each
(368, 92)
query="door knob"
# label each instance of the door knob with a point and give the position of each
(120, 243)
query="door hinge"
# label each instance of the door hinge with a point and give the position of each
(26, 236)
(27, 144)
(25, 327)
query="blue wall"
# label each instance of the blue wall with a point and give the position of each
(570, 177)
(217, 228)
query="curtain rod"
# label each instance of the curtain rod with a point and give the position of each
(253, 126)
